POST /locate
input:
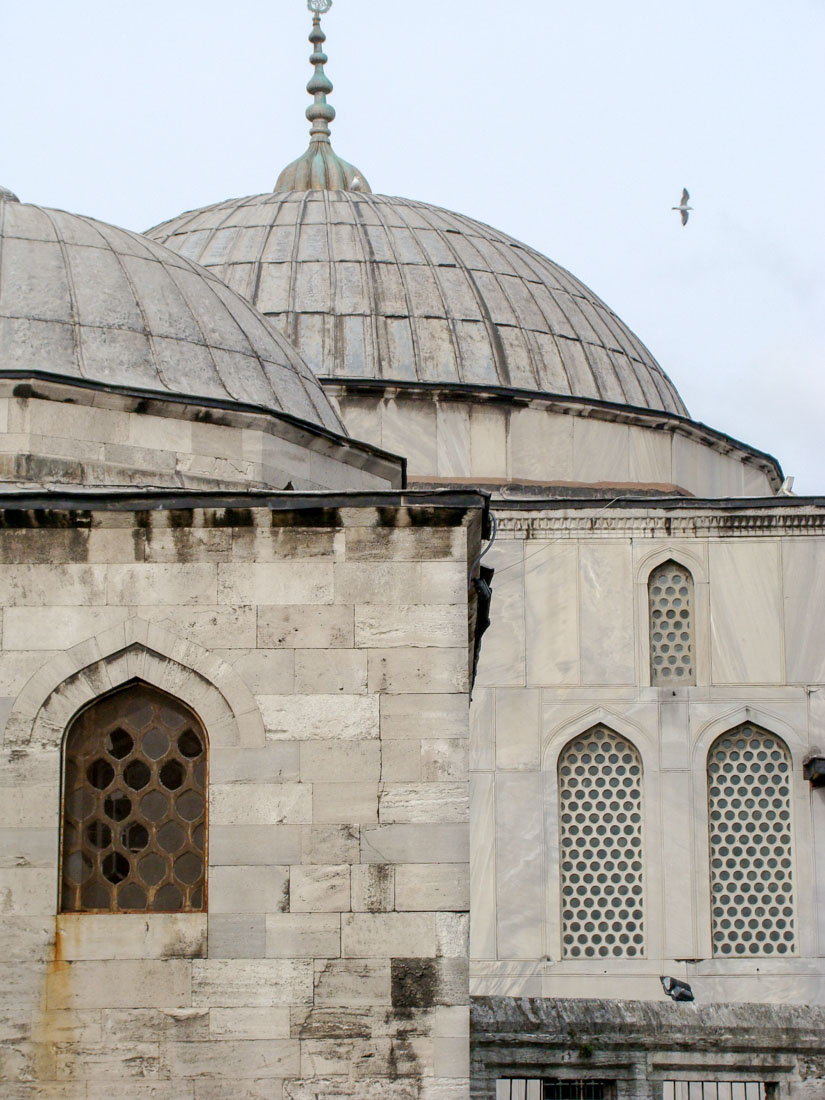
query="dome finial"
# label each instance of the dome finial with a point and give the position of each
(319, 169)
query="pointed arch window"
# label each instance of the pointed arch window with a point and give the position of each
(751, 856)
(134, 806)
(600, 804)
(672, 644)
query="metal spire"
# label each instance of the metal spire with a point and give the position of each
(320, 169)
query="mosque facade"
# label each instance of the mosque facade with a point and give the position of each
(403, 696)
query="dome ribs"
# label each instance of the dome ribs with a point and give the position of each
(111, 308)
(441, 297)
(75, 321)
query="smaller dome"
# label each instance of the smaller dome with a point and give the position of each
(88, 301)
(6, 195)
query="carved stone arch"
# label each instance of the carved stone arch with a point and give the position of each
(751, 844)
(694, 563)
(706, 737)
(645, 743)
(134, 650)
(677, 552)
(714, 728)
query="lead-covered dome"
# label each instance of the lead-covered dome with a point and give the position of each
(87, 301)
(368, 286)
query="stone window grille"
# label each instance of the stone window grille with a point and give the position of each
(600, 807)
(670, 598)
(534, 1088)
(134, 806)
(751, 866)
(716, 1090)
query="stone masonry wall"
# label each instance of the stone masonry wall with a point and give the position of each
(326, 654)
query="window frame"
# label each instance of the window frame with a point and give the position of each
(200, 726)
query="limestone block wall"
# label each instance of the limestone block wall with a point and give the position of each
(60, 433)
(326, 654)
(449, 436)
(568, 650)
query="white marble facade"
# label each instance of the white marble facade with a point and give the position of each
(568, 649)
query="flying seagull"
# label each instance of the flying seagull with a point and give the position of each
(683, 207)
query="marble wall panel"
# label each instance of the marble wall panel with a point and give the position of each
(677, 894)
(601, 450)
(453, 441)
(703, 471)
(650, 456)
(551, 612)
(409, 428)
(517, 720)
(519, 866)
(482, 867)
(674, 735)
(803, 573)
(540, 446)
(606, 623)
(503, 652)
(746, 613)
(482, 730)
(488, 442)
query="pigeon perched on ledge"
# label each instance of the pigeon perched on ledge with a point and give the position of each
(676, 990)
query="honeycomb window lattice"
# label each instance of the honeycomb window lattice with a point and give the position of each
(600, 803)
(749, 811)
(670, 594)
(134, 807)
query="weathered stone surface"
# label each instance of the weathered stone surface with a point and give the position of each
(289, 977)
(237, 935)
(432, 886)
(228, 1059)
(332, 761)
(226, 983)
(82, 936)
(353, 982)
(366, 935)
(319, 889)
(303, 935)
(302, 627)
(323, 717)
(424, 802)
(373, 888)
(254, 889)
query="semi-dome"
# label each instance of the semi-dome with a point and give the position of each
(368, 286)
(90, 302)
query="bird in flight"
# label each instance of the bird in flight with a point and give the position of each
(683, 207)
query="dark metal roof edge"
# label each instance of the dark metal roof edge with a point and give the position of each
(226, 405)
(505, 393)
(176, 499)
(680, 503)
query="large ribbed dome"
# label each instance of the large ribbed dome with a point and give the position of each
(85, 300)
(368, 286)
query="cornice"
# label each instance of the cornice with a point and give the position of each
(558, 524)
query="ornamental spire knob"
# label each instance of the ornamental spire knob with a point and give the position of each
(320, 169)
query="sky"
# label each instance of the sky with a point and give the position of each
(572, 127)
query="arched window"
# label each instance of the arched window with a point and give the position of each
(600, 802)
(670, 596)
(751, 870)
(134, 806)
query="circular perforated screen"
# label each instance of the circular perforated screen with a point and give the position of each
(670, 591)
(600, 793)
(750, 844)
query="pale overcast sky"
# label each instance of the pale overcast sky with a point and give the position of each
(573, 127)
